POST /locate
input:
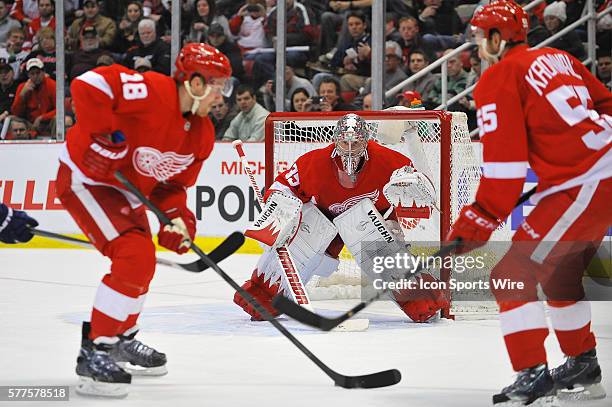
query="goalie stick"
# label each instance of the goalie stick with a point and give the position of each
(373, 380)
(325, 324)
(225, 249)
(295, 285)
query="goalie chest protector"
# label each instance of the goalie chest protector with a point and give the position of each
(317, 178)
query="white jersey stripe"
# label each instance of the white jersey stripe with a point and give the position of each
(602, 169)
(524, 318)
(570, 318)
(97, 81)
(565, 222)
(138, 305)
(114, 304)
(94, 209)
(505, 170)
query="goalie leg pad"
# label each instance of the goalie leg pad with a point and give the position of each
(366, 235)
(422, 304)
(307, 249)
(263, 291)
(314, 235)
(321, 265)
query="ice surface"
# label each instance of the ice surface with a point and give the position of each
(217, 357)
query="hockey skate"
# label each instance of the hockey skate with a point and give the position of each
(136, 357)
(533, 387)
(579, 378)
(98, 373)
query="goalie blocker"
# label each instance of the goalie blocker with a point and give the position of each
(366, 235)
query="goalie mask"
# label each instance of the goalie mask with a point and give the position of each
(350, 138)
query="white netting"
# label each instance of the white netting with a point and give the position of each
(416, 134)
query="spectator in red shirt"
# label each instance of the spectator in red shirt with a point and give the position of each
(35, 99)
(25, 11)
(46, 18)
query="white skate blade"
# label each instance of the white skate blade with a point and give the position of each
(89, 387)
(548, 401)
(136, 370)
(353, 325)
(583, 393)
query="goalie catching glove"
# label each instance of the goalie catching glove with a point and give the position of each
(278, 222)
(408, 188)
(178, 236)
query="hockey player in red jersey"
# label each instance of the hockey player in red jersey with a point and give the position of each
(338, 183)
(542, 108)
(155, 130)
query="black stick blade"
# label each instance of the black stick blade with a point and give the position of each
(226, 248)
(301, 314)
(295, 311)
(229, 246)
(370, 381)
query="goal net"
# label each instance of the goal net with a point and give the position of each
(438, 144)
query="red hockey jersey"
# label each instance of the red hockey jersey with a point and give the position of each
(166, 148)
(314, 176)
(543, 108)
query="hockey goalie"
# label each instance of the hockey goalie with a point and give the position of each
(334, 196)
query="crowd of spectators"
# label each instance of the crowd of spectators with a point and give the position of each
(328, 52)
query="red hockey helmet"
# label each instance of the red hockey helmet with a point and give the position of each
(202, 59)
(506, 17)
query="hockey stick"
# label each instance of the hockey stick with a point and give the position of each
(325, 324)
(295, 285)
(226, 248)
(379, 379)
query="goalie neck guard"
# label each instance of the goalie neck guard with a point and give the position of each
(350, 139)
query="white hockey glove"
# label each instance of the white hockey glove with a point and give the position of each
(278, 221)
(407, 188)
